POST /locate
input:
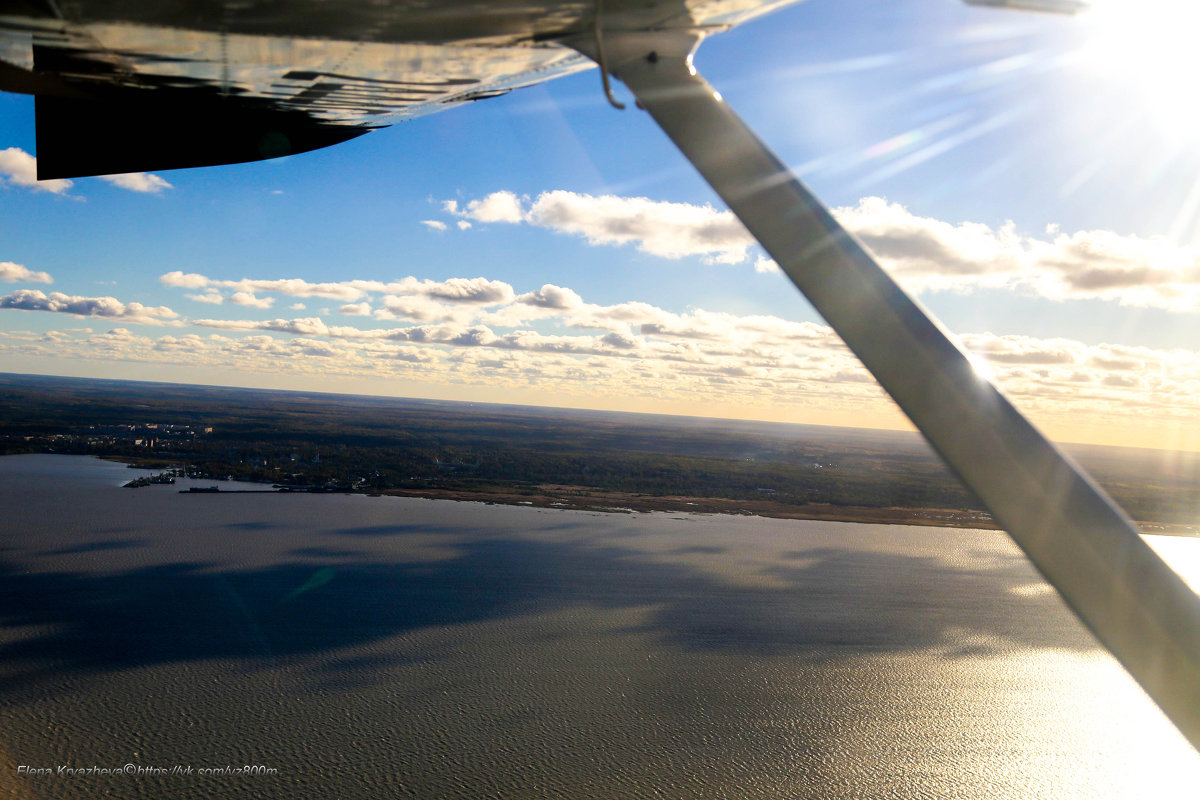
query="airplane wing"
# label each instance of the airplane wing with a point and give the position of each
(129, 87)
(133, 87)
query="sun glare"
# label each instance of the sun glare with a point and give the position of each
(1148, 47)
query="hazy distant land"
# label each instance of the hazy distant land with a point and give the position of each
(543, 457)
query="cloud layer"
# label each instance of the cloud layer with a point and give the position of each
(923, 253)
(103, 307)
(470, 291)
(549, 340)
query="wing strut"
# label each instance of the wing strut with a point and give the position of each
(1082, 543)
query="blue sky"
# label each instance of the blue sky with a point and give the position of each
(1031, 178)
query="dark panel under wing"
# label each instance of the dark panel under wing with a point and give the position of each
(158, 130)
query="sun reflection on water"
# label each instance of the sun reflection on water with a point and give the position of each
(1182, 553)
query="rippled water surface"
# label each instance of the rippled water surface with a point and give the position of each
(370, 647)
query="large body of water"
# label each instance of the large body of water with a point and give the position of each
(385, 647)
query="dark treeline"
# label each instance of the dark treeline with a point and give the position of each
(376, 444)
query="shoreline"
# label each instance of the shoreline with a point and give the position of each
(582, 498)
(617, 502)
(629, 503)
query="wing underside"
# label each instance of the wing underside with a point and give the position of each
(125, 87)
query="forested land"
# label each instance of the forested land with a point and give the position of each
(378, 444)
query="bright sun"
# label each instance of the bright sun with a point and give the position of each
(1148, 47)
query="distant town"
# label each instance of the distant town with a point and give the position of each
(555, 458)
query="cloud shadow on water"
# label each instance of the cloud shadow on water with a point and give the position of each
(96, 547)
(324, 552)
(251, 526)
(837, 603)
(383, 530)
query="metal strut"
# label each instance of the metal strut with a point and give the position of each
(1072, 532)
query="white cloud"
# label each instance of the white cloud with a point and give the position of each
(295, 287)
(1026, 349)
(467, 290)
(138, 182)
(764, 264)
(251, 300)
(297, 306)
(117, 335)
(14, 273)
(668, 230)
(211, 296)
(408, 297)
(306, 326)
(463, 225)
(109, 307)
(183, 280)
(434, 224)
(496, 207)
(316, 348)
(21, 170)
(909, 245)
(356, 309)
(418, 308)
(926, 253)
(551, 296)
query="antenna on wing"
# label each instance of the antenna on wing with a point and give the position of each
(600, 59)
